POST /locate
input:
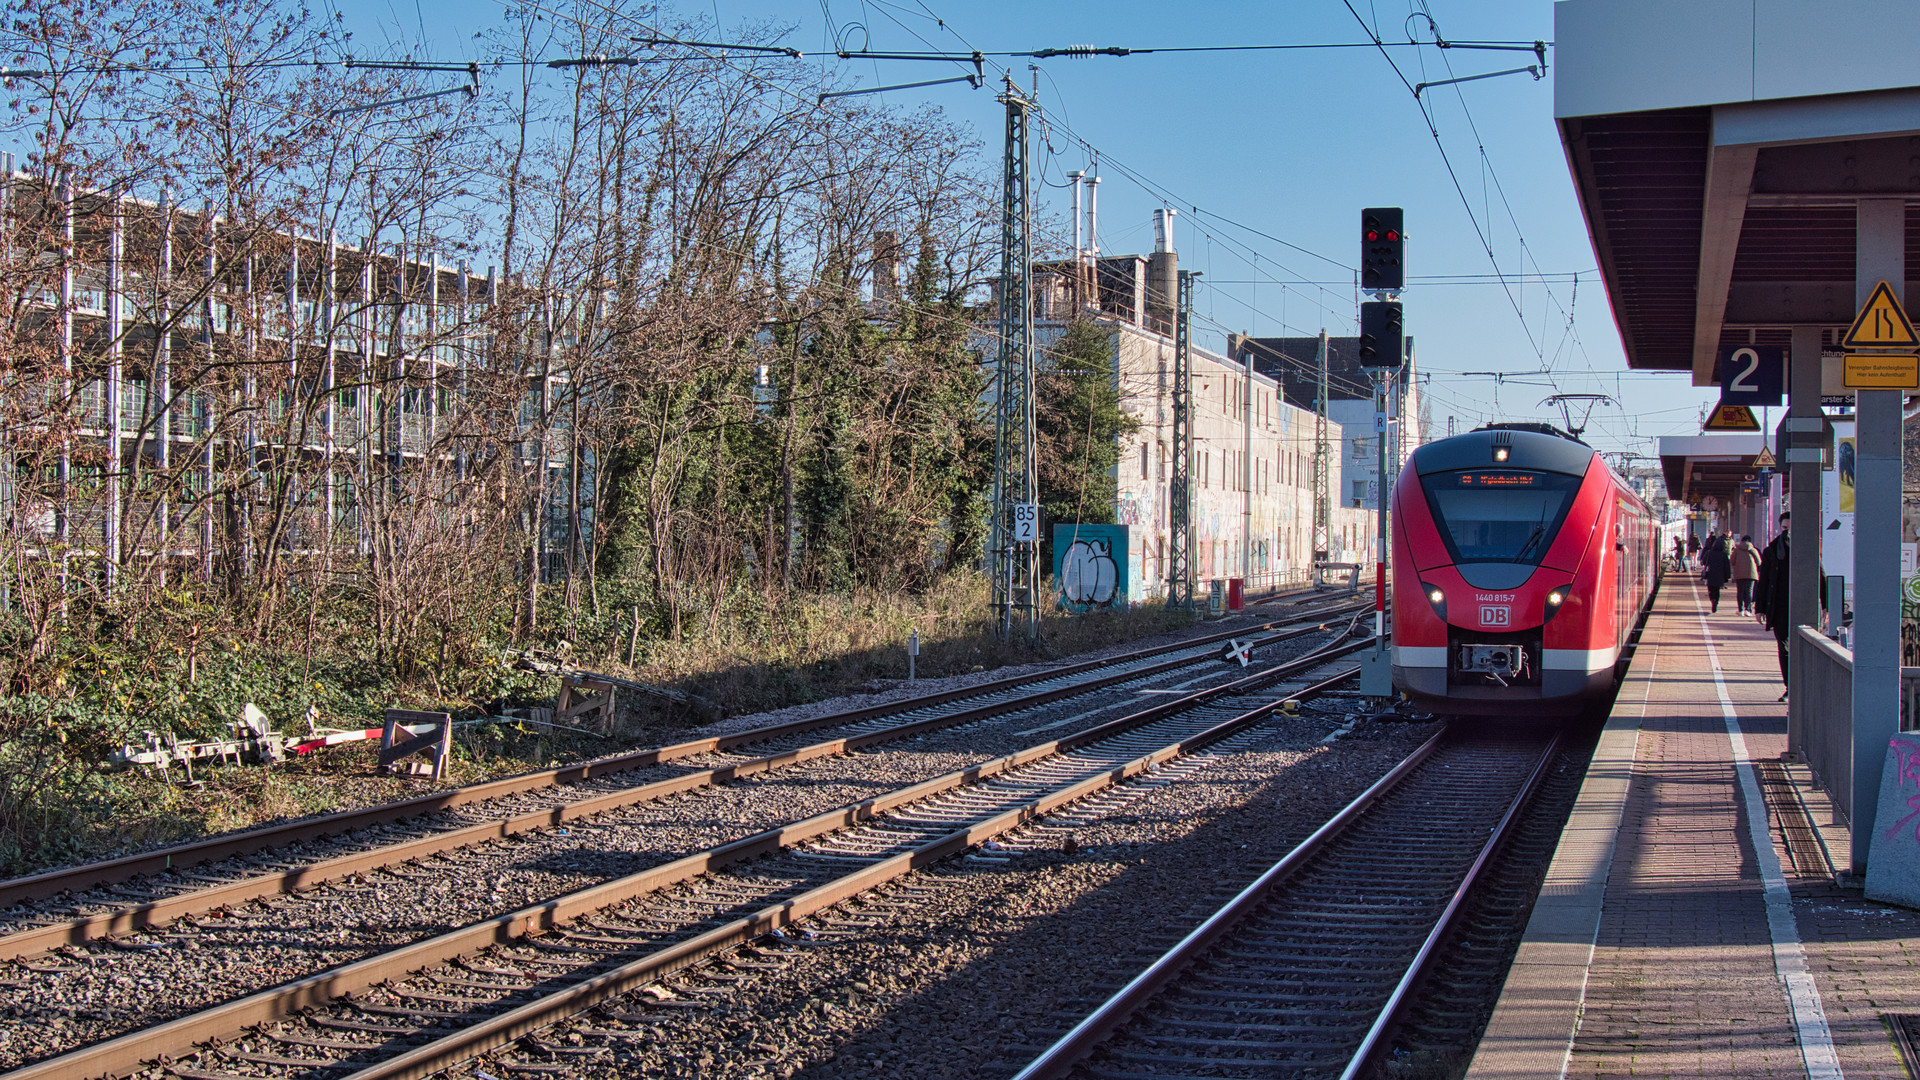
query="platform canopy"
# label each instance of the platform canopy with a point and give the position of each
(1749, 172)
(1696, 466)
(1718, 148)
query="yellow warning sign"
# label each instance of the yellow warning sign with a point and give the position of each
(1731, 418)
(1881, 324)
(1880, 371)
(1764, 459)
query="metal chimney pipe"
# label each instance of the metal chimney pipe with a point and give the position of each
(1163, 275)
(1079, 251)
(1163, 230)
(1093, 216)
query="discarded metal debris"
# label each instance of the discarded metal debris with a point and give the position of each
(253, 742)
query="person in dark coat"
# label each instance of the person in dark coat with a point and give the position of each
(1717, 568)
(1770, 591)
(1693, 546)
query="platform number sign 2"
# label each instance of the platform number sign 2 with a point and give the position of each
(1026, 523)
(1753, 374)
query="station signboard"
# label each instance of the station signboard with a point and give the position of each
(1753, 374)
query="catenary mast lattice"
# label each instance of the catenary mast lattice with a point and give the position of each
(1322, 463)
(1180, 488)
(1015, 564)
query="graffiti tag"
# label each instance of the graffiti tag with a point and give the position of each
(1907, 754)
(1088, 573)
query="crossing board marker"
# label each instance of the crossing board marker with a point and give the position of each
(1881, 324)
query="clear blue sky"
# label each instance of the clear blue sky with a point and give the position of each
(1291, 144)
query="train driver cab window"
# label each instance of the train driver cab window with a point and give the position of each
(1499, 515)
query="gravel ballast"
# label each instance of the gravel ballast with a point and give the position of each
(83, 994)
(969, 969)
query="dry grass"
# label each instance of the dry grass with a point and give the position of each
(812, 647)
(752, 657)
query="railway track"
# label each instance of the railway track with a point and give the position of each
(186, 880)
(1307, 970)
(415, 1009)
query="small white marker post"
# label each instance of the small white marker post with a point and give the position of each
(913, 650)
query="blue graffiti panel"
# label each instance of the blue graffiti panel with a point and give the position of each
(1090, 566)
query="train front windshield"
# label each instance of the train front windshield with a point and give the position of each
(1499, 515)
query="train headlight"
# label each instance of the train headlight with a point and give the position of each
(1500, 453)
(1557, 599)
(1437, 600)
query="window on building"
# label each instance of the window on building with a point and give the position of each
(1143, 461)
(1359, 492)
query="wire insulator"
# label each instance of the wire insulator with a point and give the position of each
(1081, 52)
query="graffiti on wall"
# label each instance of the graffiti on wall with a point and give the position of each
(1905, 755)
(1893, 862)
(1090, 566)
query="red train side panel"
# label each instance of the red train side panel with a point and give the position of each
(1520, 564)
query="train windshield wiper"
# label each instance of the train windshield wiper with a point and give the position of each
(1533, 538)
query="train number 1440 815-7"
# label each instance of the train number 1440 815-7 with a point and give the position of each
(1496, 615)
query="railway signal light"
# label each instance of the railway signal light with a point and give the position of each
(1383, 244)
(1383, 341)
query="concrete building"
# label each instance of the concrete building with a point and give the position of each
(187, 395)
(1292, 362)
(1253, 452)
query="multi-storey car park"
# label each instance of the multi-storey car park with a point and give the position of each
(190, 395)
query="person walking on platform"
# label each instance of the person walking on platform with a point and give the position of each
(1679, 554)
(1745, 561)
(1716, 568)
(1770, 591)
(1693, 546)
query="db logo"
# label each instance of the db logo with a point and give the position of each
(1496, 616)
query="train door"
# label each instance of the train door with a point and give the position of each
(1625, 567)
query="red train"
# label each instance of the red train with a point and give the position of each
(1521, 562)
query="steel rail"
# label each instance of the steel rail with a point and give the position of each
(500, 1030)
(1066, 1054)
(201, 852)
(1086, 1036)
(1417, 970)
(128, 1052)
(37, 940)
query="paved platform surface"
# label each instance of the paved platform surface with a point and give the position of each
(1665, 943)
